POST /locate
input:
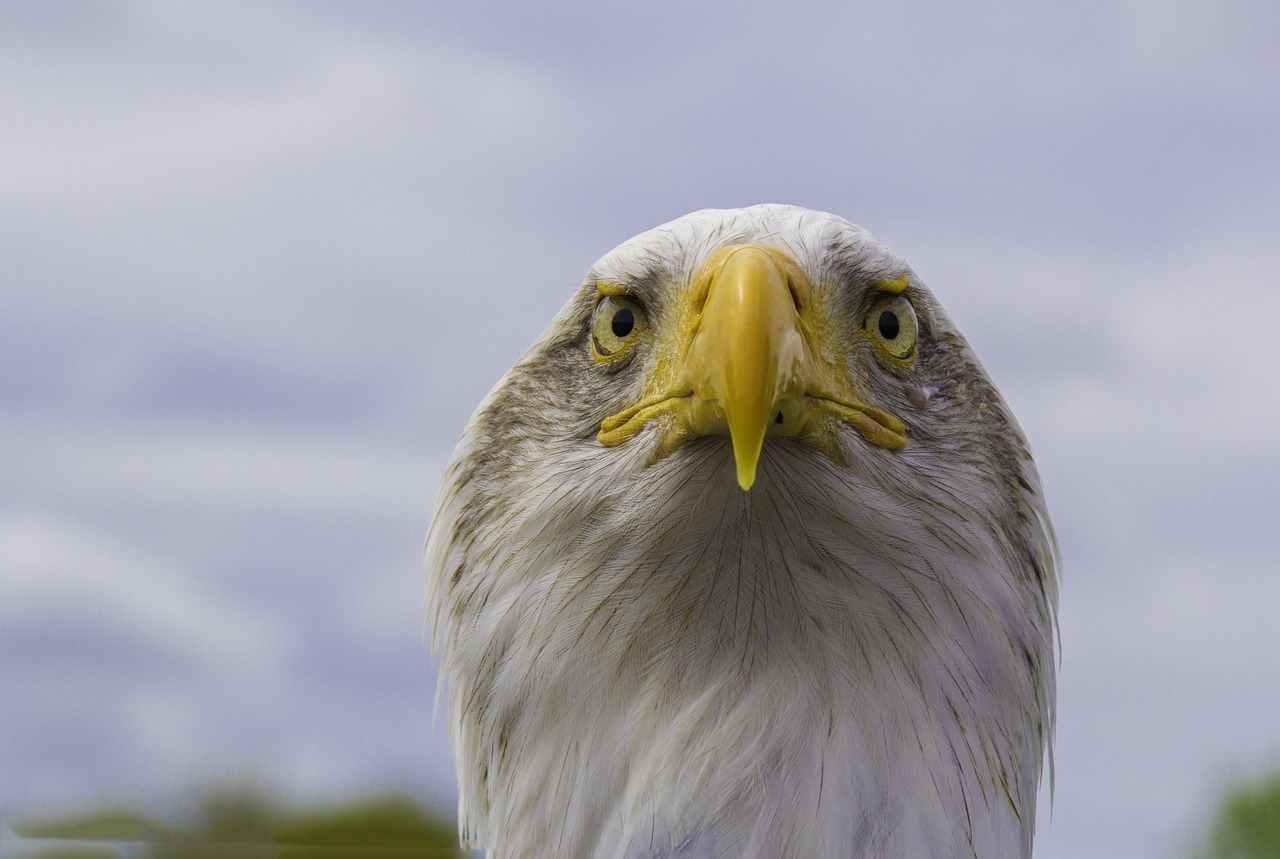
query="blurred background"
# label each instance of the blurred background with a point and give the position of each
(259, 261)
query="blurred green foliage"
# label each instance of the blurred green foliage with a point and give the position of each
(1247, 823)
(246, 824)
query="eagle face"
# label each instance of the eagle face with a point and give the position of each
(746, 557)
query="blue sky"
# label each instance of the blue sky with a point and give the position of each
(260, 261)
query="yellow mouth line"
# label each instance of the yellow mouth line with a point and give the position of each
(878, 427)
(616, 429)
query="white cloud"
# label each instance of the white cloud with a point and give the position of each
(112, 658)
(64, 573)
(201, 466)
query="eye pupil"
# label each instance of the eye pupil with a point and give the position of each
(887, 323)
(623, 322)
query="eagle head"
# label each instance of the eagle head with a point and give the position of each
(746, 557)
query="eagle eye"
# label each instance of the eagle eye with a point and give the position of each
(618, 323)
(891, 324)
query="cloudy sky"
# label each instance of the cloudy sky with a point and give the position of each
(260, 261)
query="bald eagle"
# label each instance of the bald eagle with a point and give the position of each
(746, 557)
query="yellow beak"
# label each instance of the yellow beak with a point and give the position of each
(749, 353)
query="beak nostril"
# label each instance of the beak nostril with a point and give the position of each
(799, 292)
